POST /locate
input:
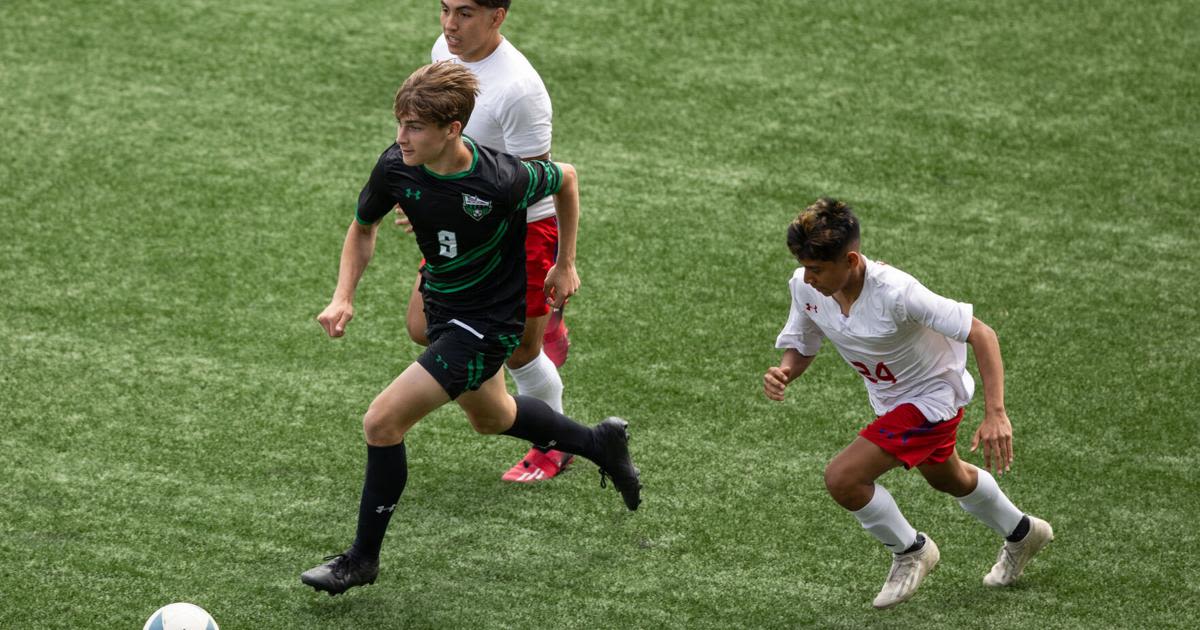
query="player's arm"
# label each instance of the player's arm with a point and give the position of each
(776, 380)
(995, 432)
(562, 281)
(357, 251)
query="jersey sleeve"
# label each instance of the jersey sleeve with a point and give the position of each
(801, 332)
(375, 200)
(526, 123)
(943, 315)
(541, 178)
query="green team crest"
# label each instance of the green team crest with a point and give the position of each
(476, 207)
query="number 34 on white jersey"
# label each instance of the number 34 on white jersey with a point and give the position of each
(907, 342)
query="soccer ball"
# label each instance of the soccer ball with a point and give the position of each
(180, 616)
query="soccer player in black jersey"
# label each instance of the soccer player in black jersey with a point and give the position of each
(467, 206)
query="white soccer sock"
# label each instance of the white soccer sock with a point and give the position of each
(882, 518)
(539, 378)
(988, 503)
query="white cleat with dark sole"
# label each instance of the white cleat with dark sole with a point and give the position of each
(908, 571)
(1013, 557)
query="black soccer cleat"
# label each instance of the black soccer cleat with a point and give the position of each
(612, 437)
(341, 573)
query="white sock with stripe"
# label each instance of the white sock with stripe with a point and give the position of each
(988, 503)
(539, 379)
(882, 518)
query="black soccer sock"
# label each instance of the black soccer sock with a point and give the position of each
(1021, 530)
(387, 472)
(536, 422)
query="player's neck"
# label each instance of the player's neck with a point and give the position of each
(456, 158)
(854, 285)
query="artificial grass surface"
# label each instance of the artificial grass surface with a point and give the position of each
(176, 179)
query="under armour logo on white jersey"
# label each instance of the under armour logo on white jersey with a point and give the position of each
(385, 508)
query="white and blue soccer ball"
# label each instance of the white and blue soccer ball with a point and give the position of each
(180, 616)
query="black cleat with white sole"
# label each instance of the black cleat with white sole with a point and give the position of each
(612, 437)
(341, 573)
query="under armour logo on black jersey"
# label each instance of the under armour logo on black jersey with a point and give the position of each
(409, 193)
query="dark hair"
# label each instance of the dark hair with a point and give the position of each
(823, 231)
(493, 4)
(439, 93)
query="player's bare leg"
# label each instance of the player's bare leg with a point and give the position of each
(850, 478)
(979, 494)
(414, 319)
(410, 397)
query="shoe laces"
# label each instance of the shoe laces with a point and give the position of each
(1007, 557)
(903, 565)
(341, 564)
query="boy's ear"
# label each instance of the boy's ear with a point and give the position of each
(455, 128)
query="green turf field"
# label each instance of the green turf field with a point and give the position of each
(176, 178)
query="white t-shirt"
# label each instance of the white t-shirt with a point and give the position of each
(907, 341)
(512, 112)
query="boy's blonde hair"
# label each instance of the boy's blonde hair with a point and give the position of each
(439, 93)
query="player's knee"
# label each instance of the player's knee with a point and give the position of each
(844, 486)
(486, 424)
(381, 428)
(959, 482)
(837, 479)
(525, 353)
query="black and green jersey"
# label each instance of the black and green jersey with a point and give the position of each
(470, 226)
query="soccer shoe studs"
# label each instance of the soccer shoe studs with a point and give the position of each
(613, 438)
(1013, 557)
(536, 466)
(341, 573)
(908, 571)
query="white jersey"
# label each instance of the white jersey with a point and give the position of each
(907, 341)
(512, 112)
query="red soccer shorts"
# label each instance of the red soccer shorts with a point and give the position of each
(541, 249)
(904, 433)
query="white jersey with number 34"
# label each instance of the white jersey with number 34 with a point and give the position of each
(907, 341)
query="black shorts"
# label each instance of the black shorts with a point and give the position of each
(463, 354)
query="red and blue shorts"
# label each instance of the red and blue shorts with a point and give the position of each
(541, 250)
(905, 433)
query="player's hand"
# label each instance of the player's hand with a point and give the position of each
(335, 317)
(775, 381)
(561, 283)
(995, 432)
(402, 219)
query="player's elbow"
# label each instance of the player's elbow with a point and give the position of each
(980, 331)
(570, 177)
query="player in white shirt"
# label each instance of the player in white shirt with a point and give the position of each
(909, 344)
(513, 115)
